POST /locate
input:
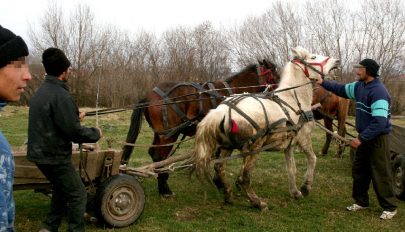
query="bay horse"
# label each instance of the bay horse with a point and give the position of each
(251, 123)
(174, 108)
(330, 107)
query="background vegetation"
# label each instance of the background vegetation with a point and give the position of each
(200, 208)
(125, 66)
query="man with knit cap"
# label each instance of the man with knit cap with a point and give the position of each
(54, 123)
(14, 75)
(372, 159)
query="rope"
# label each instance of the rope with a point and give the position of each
(162, 102)
(146, 104)
(344, 141)
(334, 124)
(165, 145)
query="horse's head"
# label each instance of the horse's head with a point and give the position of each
(267, 72)
(312, 65)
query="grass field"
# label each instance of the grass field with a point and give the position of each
(200, 208)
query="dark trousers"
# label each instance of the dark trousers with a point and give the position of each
(68, 194)
(372, 164)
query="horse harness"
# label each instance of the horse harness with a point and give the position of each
(270, 128)
(208, 88)
(168, 102)
(305, 116)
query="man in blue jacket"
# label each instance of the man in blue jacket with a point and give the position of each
(54, 123)
(14, 75)
(371, 161)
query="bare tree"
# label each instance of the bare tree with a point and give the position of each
(211, 53)
(381, 34)
(268, 36)
(126, 66)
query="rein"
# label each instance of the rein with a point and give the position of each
(161, 102)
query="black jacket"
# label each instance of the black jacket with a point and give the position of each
(54, 124)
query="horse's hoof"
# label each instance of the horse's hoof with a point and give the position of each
(167, 195)
(165, 191)
(262, 206)
(304, 190)
(298, 195)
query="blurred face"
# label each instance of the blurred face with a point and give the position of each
(361, 74)
(13, 80)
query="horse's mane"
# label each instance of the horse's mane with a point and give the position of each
(249, 68)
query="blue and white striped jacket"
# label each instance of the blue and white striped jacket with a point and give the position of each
(373, 105)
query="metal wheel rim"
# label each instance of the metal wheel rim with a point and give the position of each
(398, 180)
(121, 203)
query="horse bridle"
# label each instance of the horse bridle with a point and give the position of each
(311, 65)
(262, 72)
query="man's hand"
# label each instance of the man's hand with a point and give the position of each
(319, 80)
(355, 143)
(81, 115)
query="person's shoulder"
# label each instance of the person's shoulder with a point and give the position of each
(380, 90)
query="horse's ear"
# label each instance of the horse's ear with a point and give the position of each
(294, 52)
(300, 52)
(261, 63)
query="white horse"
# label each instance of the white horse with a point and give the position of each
(256, 122)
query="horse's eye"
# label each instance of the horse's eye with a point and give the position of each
(313, 57)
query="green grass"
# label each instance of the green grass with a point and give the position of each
(200, 208)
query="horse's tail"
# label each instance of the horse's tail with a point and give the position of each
(206, 141)
(134, 129)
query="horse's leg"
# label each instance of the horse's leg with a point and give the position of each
(342, 115)
(341, 132)
(306, 145)
(159, 154)
(245, 183)
(220, 179)
(218, 167)
(328, 125)
(291, 171)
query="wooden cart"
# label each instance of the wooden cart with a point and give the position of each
(397, 149)
(116, 197)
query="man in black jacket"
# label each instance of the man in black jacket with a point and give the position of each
(54, 123)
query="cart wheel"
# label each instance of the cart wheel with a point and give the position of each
(398, 173)
(120, 200)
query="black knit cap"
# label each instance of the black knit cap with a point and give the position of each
(12, 47)
(371, 66)
(55, 61)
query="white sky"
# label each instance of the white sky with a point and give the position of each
(133, 15)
